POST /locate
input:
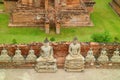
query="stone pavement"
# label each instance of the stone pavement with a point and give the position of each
(88, 74)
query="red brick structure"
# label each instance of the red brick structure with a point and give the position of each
(56, 13)
(60, 52)
(115, 4)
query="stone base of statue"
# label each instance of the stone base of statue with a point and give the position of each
(5, 59)
(74, 65)
(103, 59)
(46, 67)
(115, 59)
(18, 62)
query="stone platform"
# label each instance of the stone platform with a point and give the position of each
(46, 67)
(88, 74)
(25, 25)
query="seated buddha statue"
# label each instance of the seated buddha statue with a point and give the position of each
(46, 62)
(18, 58)
(116, 56)
(103, 56)
(74, 60)
(31, 56)
(4, 57)
(90, 58)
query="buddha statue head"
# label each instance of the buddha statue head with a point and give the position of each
(75, 40)
(46, 42)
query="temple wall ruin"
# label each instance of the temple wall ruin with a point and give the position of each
(10, 5)
(115, 4)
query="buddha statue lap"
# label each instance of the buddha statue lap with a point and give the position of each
(4, 57)
(74, 61)
(116, 56)
(46, 62)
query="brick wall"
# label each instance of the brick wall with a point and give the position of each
(9, 5)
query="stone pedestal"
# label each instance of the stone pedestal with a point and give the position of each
(43, 67)
(74, 65)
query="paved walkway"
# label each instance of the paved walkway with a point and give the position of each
(88, 74)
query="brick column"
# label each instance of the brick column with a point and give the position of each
(24, 2)
(46, 5)
(30, 2)
(47, 28)
(57, 28)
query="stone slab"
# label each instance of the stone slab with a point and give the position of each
(88, 74)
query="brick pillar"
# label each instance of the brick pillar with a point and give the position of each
(47, 26)
(46, 5)
(57, 28)
(30, 2)
(24, 2)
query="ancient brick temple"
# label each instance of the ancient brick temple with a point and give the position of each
(50, 13)
(116, 6)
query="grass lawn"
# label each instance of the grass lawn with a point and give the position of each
(103, 17)
(1, 6)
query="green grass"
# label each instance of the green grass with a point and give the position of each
(1, 6)
(103, 17)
